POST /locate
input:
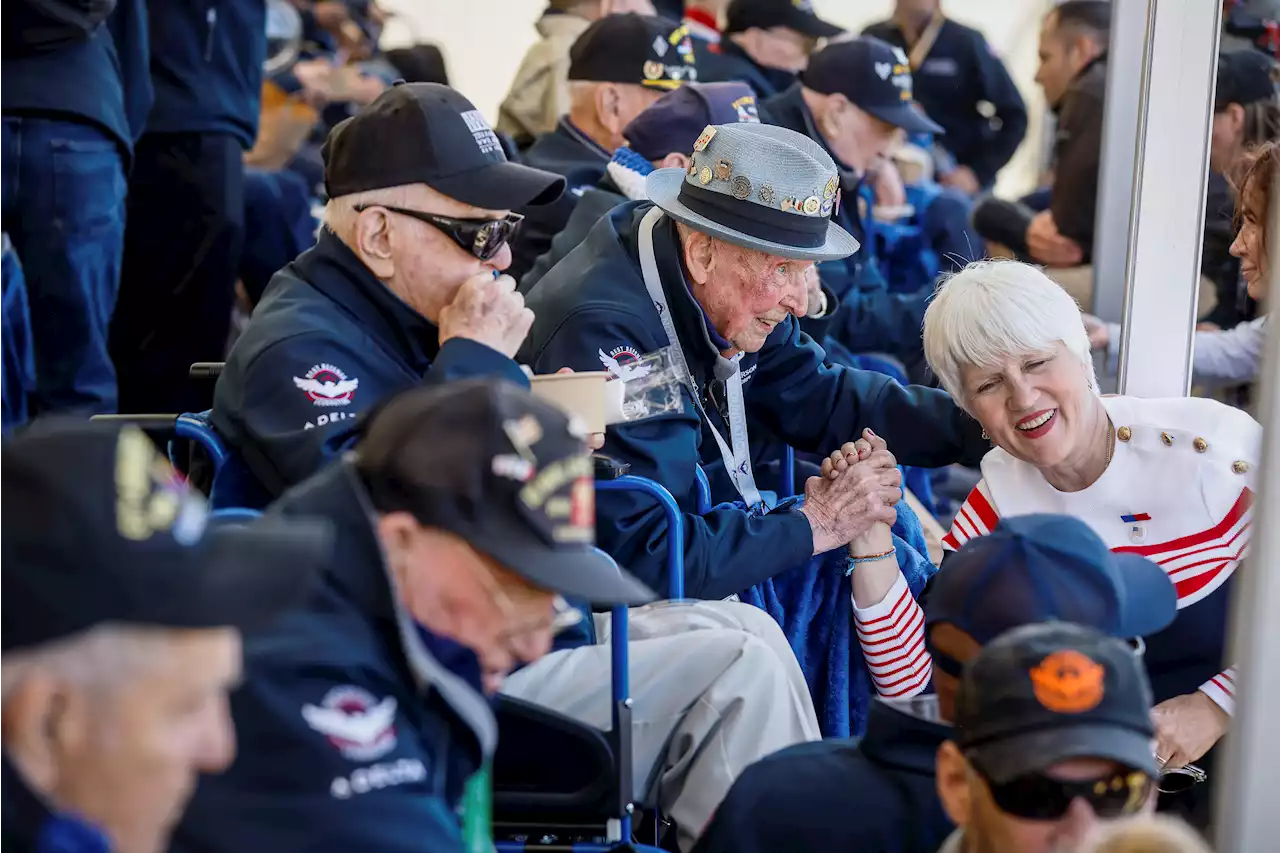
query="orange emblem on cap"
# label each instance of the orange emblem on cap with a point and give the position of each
(1069, 682)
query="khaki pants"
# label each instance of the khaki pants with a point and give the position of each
(716, 687)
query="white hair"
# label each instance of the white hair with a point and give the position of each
(103, 655)
(993, 310)
(340, 213)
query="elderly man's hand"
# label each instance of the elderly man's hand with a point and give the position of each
(488, 311)
(1187, 727)
(1048, 246)
(855, 493)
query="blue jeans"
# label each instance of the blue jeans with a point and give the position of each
(17, 359)
(63, 192)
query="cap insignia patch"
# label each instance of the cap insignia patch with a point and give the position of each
(524, 433)
(1069, 682)
(829, 190)
(150, 498)
(653, 71)
(812, 205)
(705, 139)
(884, 69)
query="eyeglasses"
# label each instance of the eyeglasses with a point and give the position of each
(483, 238)
(562, 617)
(1040, 797)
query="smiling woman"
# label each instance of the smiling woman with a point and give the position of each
(1169, 479)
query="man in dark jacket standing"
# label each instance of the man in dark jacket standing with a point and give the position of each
(964, 87)
(724, 248)
(403, 285)
(186, 202)
(619, 67)
(70, 109)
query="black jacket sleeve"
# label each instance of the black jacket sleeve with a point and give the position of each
(997, 88)
(1075, 182)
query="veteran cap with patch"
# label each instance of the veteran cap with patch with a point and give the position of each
(761, 187)
(507, 472)
(630, 48)
(874, 76)
(1051, 692)
(98, 528)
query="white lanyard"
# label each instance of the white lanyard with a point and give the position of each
(737, 458)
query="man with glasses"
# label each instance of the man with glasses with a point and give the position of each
(403, 286)
(1052, 734)
(1030, 569)
(463, 515)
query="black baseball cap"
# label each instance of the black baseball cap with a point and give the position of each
(98, 528)
(503, 470)
(1244, 77)
(674, 122)
(426, 133)
(876, 78)
(1042, 694)
(797, 15)
(1041, 568)
(630, 48)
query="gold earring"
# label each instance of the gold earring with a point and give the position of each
(985, 436)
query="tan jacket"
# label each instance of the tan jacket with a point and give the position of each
(540, 93)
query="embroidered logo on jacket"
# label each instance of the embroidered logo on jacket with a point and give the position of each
(623, 363)
(326, 385)
(358, 725)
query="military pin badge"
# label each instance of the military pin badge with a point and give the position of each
(812, 205)
(724, 170)
(704, 177)
(653, 71)
(741, 187)
(830, 189)
(705, 139)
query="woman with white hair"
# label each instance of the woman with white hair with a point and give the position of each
(1169, 479)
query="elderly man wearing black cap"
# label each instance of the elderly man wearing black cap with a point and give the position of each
(620, 66)
(1031, 569)
(658, 138)
(462, 516)
(122, 621)
(402, 286)
(766, 43)
(855, 99)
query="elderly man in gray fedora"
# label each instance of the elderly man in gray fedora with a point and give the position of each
(714, 268)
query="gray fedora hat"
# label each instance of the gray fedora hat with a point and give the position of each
(760, 187)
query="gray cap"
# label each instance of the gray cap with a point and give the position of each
(760, 187)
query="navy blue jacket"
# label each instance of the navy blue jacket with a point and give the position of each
(731, 63)
(102, 80)
(302, 780)
(206, 64)
(878, 795)
(961, 73)
(30, 826)
(593, 205)
(326, 318)
(594, 304)
(871, 319)
(566, 151)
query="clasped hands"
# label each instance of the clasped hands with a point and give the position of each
(858, 489)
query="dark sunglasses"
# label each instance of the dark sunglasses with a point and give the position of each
(1039, 797)
(483, 238)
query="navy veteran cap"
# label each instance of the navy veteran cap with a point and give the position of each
(1245, 77)
(1037, 568)
(795, 15)
(503, 470)
(631, 48)
(876, 78)
(98, 528)
(426, 133)
(1042, 694)
(673, 122)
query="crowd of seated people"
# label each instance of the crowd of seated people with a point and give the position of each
(402, 538)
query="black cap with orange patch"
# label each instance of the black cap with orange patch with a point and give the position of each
(1052, 692)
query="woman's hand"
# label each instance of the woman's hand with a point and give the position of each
(870, 450)
(1187, 727)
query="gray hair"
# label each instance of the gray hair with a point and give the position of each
(992, 310)
(340, 213)
(103, 655)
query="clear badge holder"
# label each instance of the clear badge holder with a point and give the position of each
(644, 388)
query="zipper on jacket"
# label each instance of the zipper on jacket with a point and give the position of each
(211, 25)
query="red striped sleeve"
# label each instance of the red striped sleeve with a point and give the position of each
(977, 517)
(1222, 690)
(891, 634)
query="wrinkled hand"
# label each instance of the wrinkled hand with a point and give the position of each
(488, 311)
(1187, 727)
(1049, 247)
(852, 496)
(888, 185)
(1099, 333)
(316, 76)
(961, 178)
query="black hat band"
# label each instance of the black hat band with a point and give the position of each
(756, 220)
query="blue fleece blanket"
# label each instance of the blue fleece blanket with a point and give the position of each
(812, 604)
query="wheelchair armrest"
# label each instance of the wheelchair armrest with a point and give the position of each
(548, 762)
